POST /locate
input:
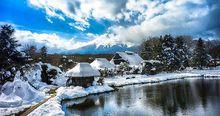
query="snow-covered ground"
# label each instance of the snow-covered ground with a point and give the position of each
(53, 106)
(16, 97)
(138, 79)
(27, 90)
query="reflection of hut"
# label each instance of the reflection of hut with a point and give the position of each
(133, 59)
(82, 75)
(104, 66)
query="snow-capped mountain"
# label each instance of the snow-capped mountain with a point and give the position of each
(94, 49)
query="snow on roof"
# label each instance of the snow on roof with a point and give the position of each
(132, 58)
(102, 63)
(82, 69)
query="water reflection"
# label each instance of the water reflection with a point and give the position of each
(183, 97)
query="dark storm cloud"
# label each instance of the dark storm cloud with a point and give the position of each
(214, 18)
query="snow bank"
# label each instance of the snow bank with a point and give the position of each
(53, 106)
(10, 100)
(98, 89)
(18, 95)
(50, 108)
(70, 92)
(20, 90)
(34, 76)
(138, 79)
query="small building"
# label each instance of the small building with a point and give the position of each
(82, 75)
(102, 64)
(133, 59)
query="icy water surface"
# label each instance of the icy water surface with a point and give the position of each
(196, 97)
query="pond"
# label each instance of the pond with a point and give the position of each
(196, 97)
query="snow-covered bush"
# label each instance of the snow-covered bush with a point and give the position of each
(33, 73)
(19, 92)
(151, 67)
(134, 70)
(122, 69)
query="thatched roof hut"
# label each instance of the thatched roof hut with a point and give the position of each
(101, 64)
(82, 69)
(133, 59)
(82, 75)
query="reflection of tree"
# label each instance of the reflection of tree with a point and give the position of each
(207, 88)
(172, 96)
(203, 89)
(101, 100)
(88, 103)
(122, 95)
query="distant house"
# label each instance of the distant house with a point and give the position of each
(133, 59)
(82, 75)
(102, 64)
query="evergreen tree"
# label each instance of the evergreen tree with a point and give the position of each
(157, 48)
(182, 52)
(201, 58)
(11, 58)
(63, 62)
(146, 50)
(151, 48)
(169, 51)
(43, 53)
(31, 51)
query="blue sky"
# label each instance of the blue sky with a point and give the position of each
(72, 24)
(26, 17)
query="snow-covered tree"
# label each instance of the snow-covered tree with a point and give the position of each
(122, 68)
(11, 58)
(66, 63)
(169, 51)
(146, 50)
(182, 52)
(31, 51)
(201, 58)
(151, 48)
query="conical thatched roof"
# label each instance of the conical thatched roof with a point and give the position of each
(83, 69)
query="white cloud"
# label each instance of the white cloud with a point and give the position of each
(154, 18)
(52, 41)
(173, 17)
(81, 10)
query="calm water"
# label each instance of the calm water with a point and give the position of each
(196, 97)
